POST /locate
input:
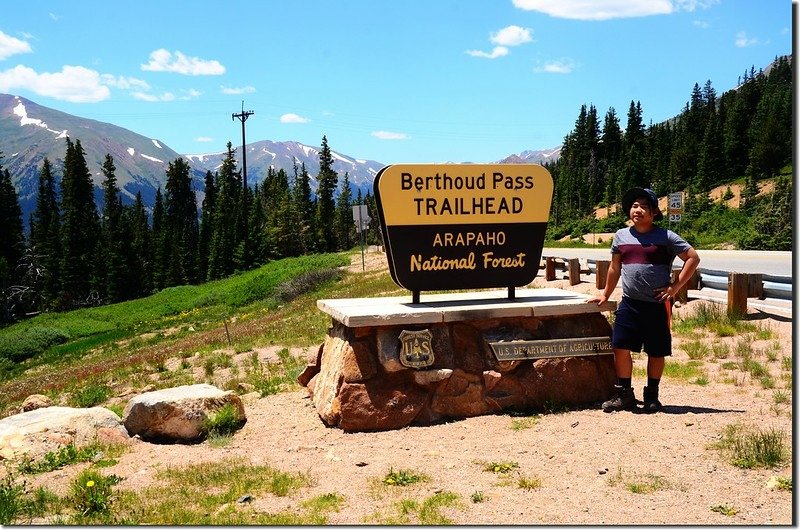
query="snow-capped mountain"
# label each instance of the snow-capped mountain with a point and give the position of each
(534, 157)
(266, 153)
(30, 132)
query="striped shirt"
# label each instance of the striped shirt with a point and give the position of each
(646, 260)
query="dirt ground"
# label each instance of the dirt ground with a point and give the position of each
(581, 467)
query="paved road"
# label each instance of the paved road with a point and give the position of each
(774, 263)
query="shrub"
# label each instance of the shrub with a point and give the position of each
(91, 395)
(11, 500)
(224, 422)
(69, 454)
(92, 493)
(26, 343)
(403, 477)
(750, 449)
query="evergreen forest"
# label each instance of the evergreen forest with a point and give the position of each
(76, 255)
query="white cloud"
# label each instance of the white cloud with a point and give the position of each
(11, 46)
(692, 5)
(293, 118)
(702, 24)
(562, 66)
(54, 17)
(498, 51)
(73, 83)
(238, 90)
(388, 135)
(743, 41)
(152, 98)
(163, 60)
(511, 36)
(204, 139)
(602, 9)
(124, 83)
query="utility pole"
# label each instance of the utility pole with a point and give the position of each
(243, 118)
(246, 236)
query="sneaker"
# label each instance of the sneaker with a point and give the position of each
(651, 402)
(623, 400)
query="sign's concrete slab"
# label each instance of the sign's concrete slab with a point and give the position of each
(457, 307)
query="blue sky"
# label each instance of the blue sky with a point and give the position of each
(402, 81)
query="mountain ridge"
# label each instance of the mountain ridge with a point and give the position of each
(29, 132)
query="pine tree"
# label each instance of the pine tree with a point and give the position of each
(345, 228)
(223, 238)
(45, 235)
(634, 169)
(111, 266)
(141, 253)
(206, 226)
(157, 244)
(326, 206)
(11, 237)
(180, 225)
(305, 208)
(79, 228)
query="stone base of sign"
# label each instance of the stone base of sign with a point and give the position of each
(361, 381)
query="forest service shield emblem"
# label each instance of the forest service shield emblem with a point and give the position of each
(415, 348)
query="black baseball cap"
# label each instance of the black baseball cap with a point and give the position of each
(634, 193)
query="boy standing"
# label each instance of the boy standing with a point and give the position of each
(642, 256)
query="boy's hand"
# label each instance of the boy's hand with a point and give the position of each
(665, 293)
(599, 300)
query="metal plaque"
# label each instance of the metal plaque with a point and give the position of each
(416, 350)
(519, 350)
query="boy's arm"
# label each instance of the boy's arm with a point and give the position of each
(612, 277)
(691, 260)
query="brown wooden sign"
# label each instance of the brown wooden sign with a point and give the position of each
(519, 350)
(463, 226)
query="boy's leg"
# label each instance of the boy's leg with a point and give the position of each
(623, 398)
(655, 368)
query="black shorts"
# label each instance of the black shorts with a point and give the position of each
(638, 324)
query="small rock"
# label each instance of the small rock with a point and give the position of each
(244, 498)
(603, 471)
(361, 464)
(36, 401)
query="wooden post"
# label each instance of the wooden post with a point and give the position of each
(550, 269)
(601, 273)
(755, 287)
(574, 271)
(738, 283)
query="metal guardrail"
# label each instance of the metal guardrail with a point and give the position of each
(779, 287)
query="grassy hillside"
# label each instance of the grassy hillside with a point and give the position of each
(63, 352)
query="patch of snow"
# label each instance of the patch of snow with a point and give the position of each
(155, 143)
(131, 151)
(152, 158)
(22, 112)
(270, 153)
(337, 156)
(201, 158)
(63, 134)
(361, 161)
(308, 150)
